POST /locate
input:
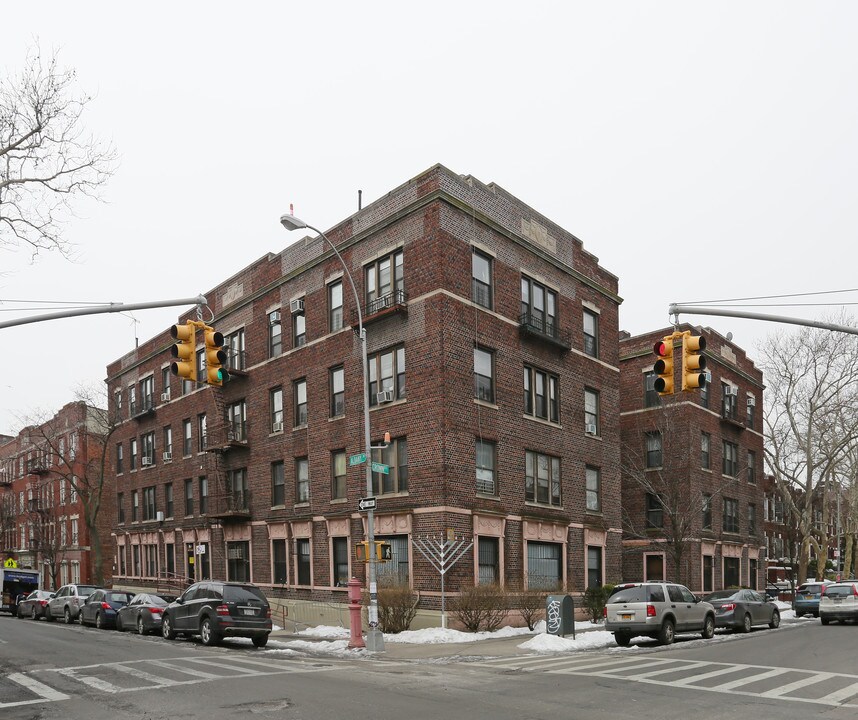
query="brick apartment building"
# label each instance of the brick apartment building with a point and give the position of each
(46, 473)
(493, 353)
(692, 468)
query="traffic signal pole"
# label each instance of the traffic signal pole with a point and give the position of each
(676, 309)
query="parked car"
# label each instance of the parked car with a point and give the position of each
(839, 601)
(143, 613)
(657, 610)
(33, 605)
(742, 609)
(214, 610)
(67, 601)
(807, 598)
(101, 607)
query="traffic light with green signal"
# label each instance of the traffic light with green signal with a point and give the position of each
(664, 365)
(216, 374)
(185, 365)
(693, 363)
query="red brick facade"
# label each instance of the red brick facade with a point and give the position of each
(437, 319)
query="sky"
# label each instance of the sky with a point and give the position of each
(700, 150)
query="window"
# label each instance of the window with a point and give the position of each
(488, 554)
(133, 458)
(481, 279)
(728, 401)
(542, 478)
(752, 467)
(299, 329)
(395, 456)
(238, 561)
(117, 403)
(275, 334)
(594, 565)
(340, 547)
(202, 425)
(186, 437)
(278, 483)
(234, 348)
(302, 553)
(275, 404)
(119, 465)
(202, 374)
(147, 393)
(730, 459)
(338, 474)
(132, 402)
(149, 503)
(752, 406)
(120, 508)
(653, 449)
(135, 556)
(654, 511)
(752, 518)
(591, 411)
(335, 306)
(484, 375)
(544, 565)
(236, 418)
(236, 485)
(395, 572)
(299, 392)
(486, 482)
(731, 515)
(278, 553)
(148, 448)
(302, 480)
(204, 495)
(189, 497)
(387, 373)
(538, 307)
(168, 440)
(541, 394)
(135, 506)
(165, 380)
(708, 573)
(707, 511)
(338, 391)
(704, 392)
(705, 442)
(593, 483)
(752, 574)
(168, 500)
(651, 396)
(591, 333)
(170, 557)
(731, 572)
(384, 282)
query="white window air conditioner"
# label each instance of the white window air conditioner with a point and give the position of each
(590, 428)
(277, 427)
(274, 317)
(145, 461)
(708, 376)
(730, 391)
(165, 396)
(168, 456)
(159, 516)
(297, 306)
(752, 401)
(385, 396)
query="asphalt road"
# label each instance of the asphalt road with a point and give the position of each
(74, 673)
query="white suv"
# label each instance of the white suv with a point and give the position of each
(839, 601)
(657, 610)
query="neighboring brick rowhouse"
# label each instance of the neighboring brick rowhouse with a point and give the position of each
(726, 545)
(437, 221)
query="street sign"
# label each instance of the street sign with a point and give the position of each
(201, 549)
(10, 562)
(367, 503)
(379, 467)
(357, 459)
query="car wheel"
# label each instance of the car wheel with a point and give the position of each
(99, 623)
(824, 620)
(68, 618)
(119, 626)
(622, 639)
(167, 628)
(48, 616)
(141, 629)
(260, 641)
(667, 632)
(708, 628)
(207, 633)
(776, 620)
(33, 614)
(746, 623)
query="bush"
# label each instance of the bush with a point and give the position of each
(595, 598)
(530, 605)
(397, 607)
(481, 607)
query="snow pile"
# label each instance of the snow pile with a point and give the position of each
(544, 643)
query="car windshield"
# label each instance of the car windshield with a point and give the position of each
(721, 595)
(86, 590)
(243, 593)
(838, 591)
(639, 593)
(812, 589)
(119, 597)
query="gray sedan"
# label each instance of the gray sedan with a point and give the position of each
(143, 613)
(742, 609)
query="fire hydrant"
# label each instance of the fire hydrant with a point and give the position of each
(355, 629)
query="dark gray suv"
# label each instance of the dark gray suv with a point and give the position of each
(214, 610)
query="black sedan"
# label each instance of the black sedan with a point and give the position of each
(143, 613)
(742, 609)
(101, 607)
(33, 605)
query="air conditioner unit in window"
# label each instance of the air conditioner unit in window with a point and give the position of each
(168, 456)
(752, 401)
(297, 306)
(384, 396)
(277, 427)
(165, 396)
(230, 436)
(159, 516)
(144, 461)
(730, 391)
(590, 428)
(274, 317)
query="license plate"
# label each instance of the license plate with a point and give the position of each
(837, 600)
(249, 611)
(626, 616)
(808, 597)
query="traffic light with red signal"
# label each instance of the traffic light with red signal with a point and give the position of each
(664, 365)
(184, 351)
(693, 363)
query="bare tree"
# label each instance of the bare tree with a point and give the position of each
(810, 422)
(46, 159)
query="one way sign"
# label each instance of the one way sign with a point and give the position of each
(367, 503)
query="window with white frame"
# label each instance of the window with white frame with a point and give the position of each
(387, 374)
(541, 394)
(542, 478)
(484, 374)
(591, 333)
(335, 306)
(485, 460)
(593, 484)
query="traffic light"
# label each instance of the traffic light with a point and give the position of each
(216, 374)
(383, 551)
(664, 365)
(361, 554)
(186, 336)
(693, 363)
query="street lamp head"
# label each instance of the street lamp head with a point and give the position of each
(290, 222)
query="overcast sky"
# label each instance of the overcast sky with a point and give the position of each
(699, 150)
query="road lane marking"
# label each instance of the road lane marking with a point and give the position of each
(798, 684)
(45, 693)
(774, 672)
(158, 680)
(836, 698)
(712, 673)
(187, 671)
(641, 676)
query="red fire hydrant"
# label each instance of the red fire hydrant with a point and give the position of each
(355, 629)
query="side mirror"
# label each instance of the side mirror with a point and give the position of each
(180, 600)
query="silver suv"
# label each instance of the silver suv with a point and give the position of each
(657, 610)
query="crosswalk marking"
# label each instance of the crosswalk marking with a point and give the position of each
(172, 667)
(663, 671)
(839, 696)
(712, 673)
(42, 691)
(798, 685)
(143, 675)
(748, 680)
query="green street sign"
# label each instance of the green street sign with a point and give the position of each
(357, 459)
(378, 467)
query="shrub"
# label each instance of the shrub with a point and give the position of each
(595, 598)
(481, 607)
(397, 607)
(530, 604)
